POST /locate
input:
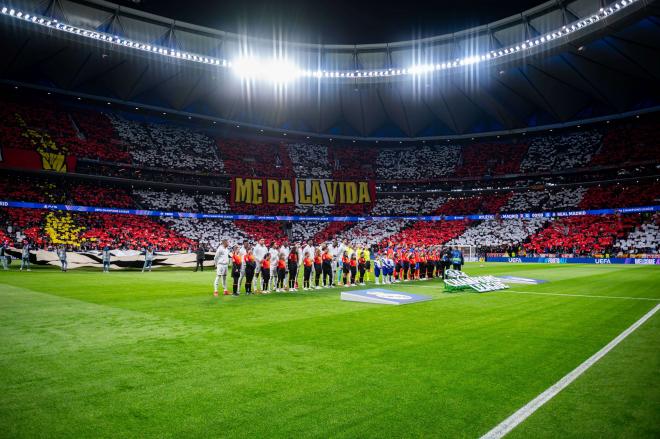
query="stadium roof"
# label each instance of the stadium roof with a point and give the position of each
(555, 64)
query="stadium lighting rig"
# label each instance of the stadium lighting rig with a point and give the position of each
(281, 71)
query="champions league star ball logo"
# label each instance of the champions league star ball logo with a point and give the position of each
(391, 296)
(383, 297)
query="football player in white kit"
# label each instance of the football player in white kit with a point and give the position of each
(242, 251)
(274, 256)
(259, 252)
(221, 262)
(285, 250)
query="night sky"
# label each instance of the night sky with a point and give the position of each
(335, 22)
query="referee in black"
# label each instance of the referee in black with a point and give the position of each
(200, 254)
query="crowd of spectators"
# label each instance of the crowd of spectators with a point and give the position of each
(309, 160)
(406, 205)
(243, 157)
(429, 232)
(166, 146)
(368, 233)
(417, 163)
(581, 235)
(499, 232)
(545, 200)
(209, 232)
(486, 159)
(621, 195)
(45, 126)
(644, 239)
(630, 142)
(181, 201)
(561, 151)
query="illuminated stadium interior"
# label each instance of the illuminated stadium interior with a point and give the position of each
(511, 167)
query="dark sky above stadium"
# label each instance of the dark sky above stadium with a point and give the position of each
(338, 21)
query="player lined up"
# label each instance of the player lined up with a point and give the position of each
(275, 268)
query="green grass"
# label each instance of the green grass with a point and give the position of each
(127, 354)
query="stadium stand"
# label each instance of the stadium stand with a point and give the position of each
(581, 235)
(118, 144)
(493, 233)
(207, 231)
(485, 159)
(545, 200)
(181, 201)
(370, 233)
(349, 162)
(42, 125)
(419, 163)
(406, 205)
(621, 195)
(165, 146)
(630, 142)
(560, 152)
(429, 232)
(309, 160)
(644, 239)
(246, 158)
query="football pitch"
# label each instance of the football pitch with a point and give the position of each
(127, 354)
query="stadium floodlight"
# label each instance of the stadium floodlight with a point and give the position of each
(275, 70)
(280, 71)
(246, 68)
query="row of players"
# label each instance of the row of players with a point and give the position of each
(271, 268)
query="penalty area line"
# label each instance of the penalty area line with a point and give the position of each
(579, 295)
(528, 409)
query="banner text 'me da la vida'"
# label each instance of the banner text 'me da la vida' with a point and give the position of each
(301, 191)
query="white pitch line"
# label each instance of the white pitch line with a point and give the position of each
(528, 409)
(580, 295)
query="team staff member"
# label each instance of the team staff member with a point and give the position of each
(149, 254)
(105, 255)
(446, 261)
(25, 256)
(3, 255)
(199, 257)
(61, 252)
(456, 259)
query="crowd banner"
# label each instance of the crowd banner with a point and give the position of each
(522, 260)
(231, 216)
(301, 191)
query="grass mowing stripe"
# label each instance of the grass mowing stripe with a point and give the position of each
(579, 295)
(523, 413)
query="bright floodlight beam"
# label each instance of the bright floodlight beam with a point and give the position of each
(275, 70)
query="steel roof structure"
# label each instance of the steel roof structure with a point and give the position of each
(448, 86)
